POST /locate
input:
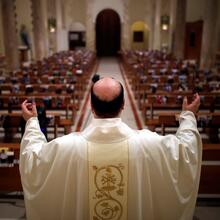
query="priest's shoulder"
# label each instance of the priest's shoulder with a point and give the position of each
(146, 134)
(69, 139)
(147, 131)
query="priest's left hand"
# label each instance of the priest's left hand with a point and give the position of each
(28, 110)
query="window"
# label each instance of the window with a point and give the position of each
(138, 36)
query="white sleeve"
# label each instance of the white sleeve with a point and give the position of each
(36, 155)
(33, 139)
(183, 153)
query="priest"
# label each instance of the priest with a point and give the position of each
(110, 171)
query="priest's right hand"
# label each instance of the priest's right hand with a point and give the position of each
(194, 106)
(28, 110)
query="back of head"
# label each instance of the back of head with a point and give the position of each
(107, 98)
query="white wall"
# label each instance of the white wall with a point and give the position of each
(75, 11)
(195, 10)
(62, 40)
(139, 10)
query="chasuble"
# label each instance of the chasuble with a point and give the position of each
(110, 171)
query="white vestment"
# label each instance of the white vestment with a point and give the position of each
(161, 183)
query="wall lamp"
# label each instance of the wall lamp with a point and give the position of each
(165, 20)
(52, 25)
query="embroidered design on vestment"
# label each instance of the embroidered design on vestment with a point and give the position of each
(109, 184)
(108, 180)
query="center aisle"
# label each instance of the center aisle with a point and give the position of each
(110, 67)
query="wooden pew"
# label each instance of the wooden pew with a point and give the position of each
(151, 103)
(55, 102)
(211, 152)
(56, 122)
(167, 121)
(210, 172)
(214, 128)
(170, 119)
(10, 176)
(11, 125)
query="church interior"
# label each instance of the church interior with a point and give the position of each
(160, 50)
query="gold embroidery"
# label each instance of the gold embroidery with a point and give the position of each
(108, 180)
(109, 185)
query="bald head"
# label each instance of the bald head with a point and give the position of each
(107, 89)
(107, 98)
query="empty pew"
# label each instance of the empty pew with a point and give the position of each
(210, 172)
(10, 180)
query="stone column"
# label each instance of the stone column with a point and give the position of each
(148, 20)
(179, 33)
(90, 26)
(152, 6)
(125, 27)
(172, 25)
(40, 29)
(216, 46)
(157, 26)
(52, 34)
(165, 39)
(60, 25)
(62, 9)
(62, 32)
(209, 40)
(10, 36)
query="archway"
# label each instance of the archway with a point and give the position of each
(77, 32)
(108, 33)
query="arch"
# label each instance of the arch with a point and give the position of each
(99, 5)
(108, 33)
(140, 33)
(77, 26)
(77, 35)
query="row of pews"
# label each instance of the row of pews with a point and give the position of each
(153, 102)
(159, 83)
(58, 83)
